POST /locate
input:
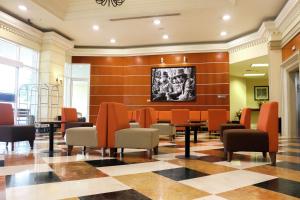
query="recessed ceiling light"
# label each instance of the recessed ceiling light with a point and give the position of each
(113, 40)
(223, 33)
(226, 17)
(260, 65)
(252, 75)
(95, 27)
(156, 22)
(22, 7)
(165, 37)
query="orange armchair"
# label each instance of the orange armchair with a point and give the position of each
(216, 117)
(180, 116)
(195, 116)
(264, 139)
(13, 133)
(245, 122)
(70, 119)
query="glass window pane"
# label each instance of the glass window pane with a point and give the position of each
(8, 50)
(7, 79)
(80, 93)
(26, 56)
(80, 71)
(27, 76)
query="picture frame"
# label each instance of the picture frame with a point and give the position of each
(261, 93)
(176, 77)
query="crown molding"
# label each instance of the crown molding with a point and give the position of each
(54, 38)
(15, 26)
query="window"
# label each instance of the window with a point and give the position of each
(18, 72)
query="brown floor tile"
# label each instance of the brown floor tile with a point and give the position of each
(75, 171)
(155, 186)
(202, 166)
(169, 150)
(277, 171)
(22, 159)
(254, 193)
(2, 187)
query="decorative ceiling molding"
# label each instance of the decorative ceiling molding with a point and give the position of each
(58, 40)
(19, 28)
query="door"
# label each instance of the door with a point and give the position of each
(80, 96)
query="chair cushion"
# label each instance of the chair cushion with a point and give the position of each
(82, 136)
(12, 133)
(164, 128)
(140, 138)
(245, 140)
(224, 127)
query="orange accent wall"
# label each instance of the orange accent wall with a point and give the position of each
(127, 80)
(287, 49)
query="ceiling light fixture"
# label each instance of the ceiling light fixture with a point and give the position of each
(260, 65)
(165, 37)
(252, 75)
(223, 33)
(156, 22)
(114, 3)
(226, 17)
(22, 7)
(113, 41)
(95, 27)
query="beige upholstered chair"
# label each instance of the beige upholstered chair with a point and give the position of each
(113, 131)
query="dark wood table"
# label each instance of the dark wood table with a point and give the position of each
(51, 134)
(188, 127)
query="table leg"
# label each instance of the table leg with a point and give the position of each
(195, 134)
(51, 138)
(187, 141)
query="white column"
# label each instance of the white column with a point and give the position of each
(52, 61)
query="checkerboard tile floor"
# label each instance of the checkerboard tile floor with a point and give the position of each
(27, 175)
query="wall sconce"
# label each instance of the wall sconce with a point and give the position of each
(162, 60)
(59, 80)
(185, 60)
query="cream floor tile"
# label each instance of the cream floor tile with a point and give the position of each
(238, 164)
(78, 157)
(211, 197)
(223, 182)
(172, 156)
(137, 168)
(159, 187)
(68, 189)
(255, 193)
(9, 170)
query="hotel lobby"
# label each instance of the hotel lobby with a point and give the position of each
(140, 99)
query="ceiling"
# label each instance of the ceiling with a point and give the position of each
(200, 21)
(240, 68)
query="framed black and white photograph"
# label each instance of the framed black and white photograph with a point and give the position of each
(261, 93)
(173, 84)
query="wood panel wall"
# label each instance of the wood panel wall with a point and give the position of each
(287, 49)
(127, 80)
